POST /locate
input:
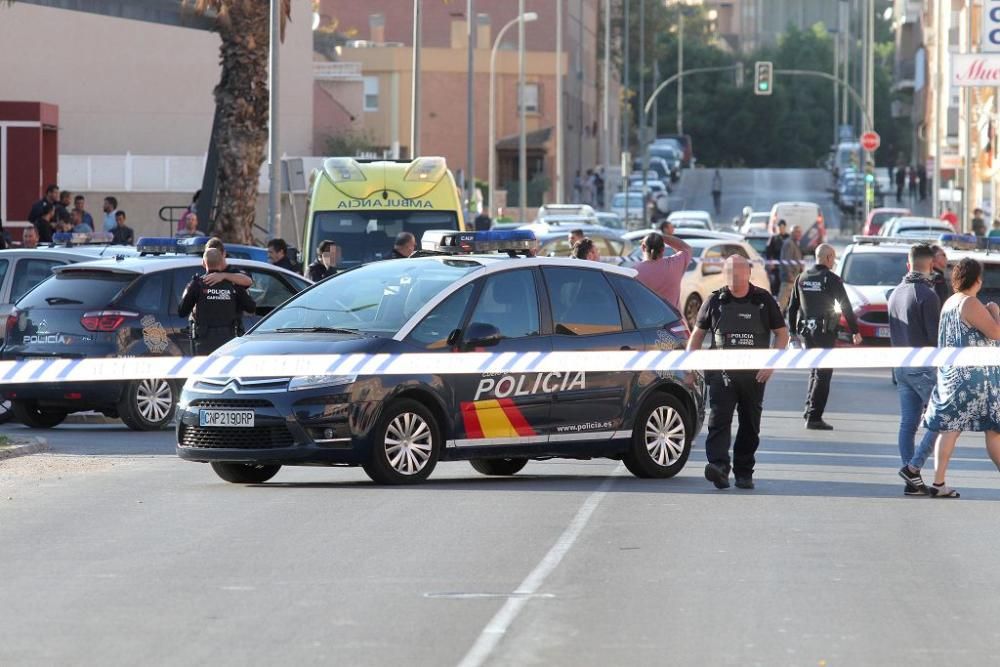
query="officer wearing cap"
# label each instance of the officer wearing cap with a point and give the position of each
(813, 315)
(739, 316)
(216, 310)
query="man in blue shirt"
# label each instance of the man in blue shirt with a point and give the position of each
(914, 311)
(79, 226)
(79, 204)
(110, 207)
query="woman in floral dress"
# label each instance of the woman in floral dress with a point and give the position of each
(966, 398)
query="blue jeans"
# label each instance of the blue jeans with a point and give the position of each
(914, 386)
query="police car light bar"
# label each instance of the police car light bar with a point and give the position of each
(896, 240)
(497, 240)
(82, 238)
(156, 245)
(970, 242)
(194, 245)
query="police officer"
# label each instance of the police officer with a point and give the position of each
(738, 316)
(813, 315)
(216, 311)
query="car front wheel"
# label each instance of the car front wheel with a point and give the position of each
(406, 444)
(148, 405)
(29, 414)
(691, 308)
(661, 439)
(245, 473)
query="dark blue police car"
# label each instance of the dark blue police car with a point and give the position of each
(398, 427)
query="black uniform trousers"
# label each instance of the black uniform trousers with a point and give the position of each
(744, 395)
(212, 340)
(819, 379)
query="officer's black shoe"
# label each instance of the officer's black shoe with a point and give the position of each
(818, 425)
(717, 475)
(744, 482)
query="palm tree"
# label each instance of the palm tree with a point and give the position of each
(241, 100)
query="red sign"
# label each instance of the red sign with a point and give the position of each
(870, 141)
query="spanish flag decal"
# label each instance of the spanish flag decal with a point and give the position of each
(495, 418)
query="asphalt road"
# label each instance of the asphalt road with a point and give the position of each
(117, 553)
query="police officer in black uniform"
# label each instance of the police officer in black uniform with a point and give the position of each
(738, 316)
(813, 316)
(216, 311)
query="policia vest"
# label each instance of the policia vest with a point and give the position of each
(217, 311)
(818, 315)
(740, 324)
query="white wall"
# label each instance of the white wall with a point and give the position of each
(128, 86)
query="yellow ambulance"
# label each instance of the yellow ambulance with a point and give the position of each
(362, 205)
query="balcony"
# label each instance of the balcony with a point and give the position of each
(336, 71)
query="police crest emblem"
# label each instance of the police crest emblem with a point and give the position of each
(154, 335)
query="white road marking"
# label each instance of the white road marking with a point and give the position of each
(502, 620)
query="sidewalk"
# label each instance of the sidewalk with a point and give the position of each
(11, 447)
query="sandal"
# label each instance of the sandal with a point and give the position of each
(943, 491)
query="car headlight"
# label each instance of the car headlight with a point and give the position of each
(301, 382)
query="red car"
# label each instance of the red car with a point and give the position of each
(880, 216)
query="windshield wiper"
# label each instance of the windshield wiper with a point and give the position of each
(317, 330)
(60, 300)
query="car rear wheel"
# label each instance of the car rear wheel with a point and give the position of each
(245, 473)
(148, 405)
(406, 445)
(661, 439)
(29, 414)
(498, 467)
(691, 308)
(6, 412)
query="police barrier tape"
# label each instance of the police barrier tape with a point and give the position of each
(423, 363)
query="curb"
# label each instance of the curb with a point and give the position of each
(90, 418)
(30, 445)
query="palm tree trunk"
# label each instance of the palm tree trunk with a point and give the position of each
(242, 99)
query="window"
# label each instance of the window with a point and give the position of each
(81, 289)
(146, 294)
(371, 93)
(509, 302)
(268, 290)
(433, 330)
(582, 301)
(530, 98)
(181, 279)
(647, 309)
(3, 270)
(28, 273)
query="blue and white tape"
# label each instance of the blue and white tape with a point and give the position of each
(133, 368)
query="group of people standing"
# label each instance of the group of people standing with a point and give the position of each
(910, 178)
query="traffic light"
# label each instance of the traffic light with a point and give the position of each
(763, 78)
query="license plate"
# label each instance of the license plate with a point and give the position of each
(226, 418)
(882, 332)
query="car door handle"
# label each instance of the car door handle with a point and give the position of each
(625, 348)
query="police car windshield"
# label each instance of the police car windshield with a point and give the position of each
(368, 236)
(882, 269)
(376, 299)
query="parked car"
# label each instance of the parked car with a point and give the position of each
(879, 216)
(629, 206)
(572, 214)
(611, 246)
(870, 271)
(610, 220)
(916, 227)
(704, 218)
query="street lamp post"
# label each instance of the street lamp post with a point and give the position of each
(522, 138)
(527, 17)
(415, 98)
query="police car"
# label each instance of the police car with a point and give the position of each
(398, 427)
(125, 306)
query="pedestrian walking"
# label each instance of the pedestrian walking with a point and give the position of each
(922, 181)
(814, 312)
(717, 192)
(911, 175)
(578, 188)
(122, 233)
(900, 182)
(277, 254)
(738, 316)
(216, 311)
(914, 311)
(663, 274)
(326, 262)
(939, 265)
(791, 266)
(965, 398)
(772, 253)
(405, 245)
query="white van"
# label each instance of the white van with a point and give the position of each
(807, 215)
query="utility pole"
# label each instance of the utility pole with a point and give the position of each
(605, 112)
(680, 69)
(470, 136)
(968, 203)
(415, 96)
(626, 115)
(642, 98)
(274, 145)
(939, 95)
(522, 144)
(560, 189)
(846, 69)
(836, 86)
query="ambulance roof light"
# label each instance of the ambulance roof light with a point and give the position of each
(343, 169)
(426, 169)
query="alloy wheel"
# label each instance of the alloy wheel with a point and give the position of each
(665, 435)
(408, 443)
(153, 399)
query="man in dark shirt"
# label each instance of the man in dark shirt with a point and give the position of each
(405, 245)
(49, 200)
(914, 312)
(326, 262)
(122, 234)
(277, 254)
(43, 224)
(216, 311)
(942, 286)
(772, 253)
(738, 316)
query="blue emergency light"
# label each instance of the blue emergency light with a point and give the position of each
(82, 238)
(156, 245)
(970, 242)
(513, 241)
(193, 245)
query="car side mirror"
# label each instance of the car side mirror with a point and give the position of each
(711, 268)
(480, 334)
